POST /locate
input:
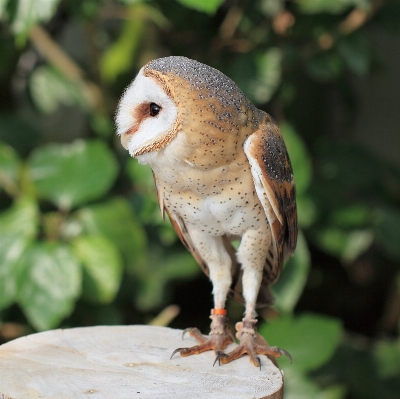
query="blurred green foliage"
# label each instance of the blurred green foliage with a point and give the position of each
(81, 237)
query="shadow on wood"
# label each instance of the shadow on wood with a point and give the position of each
(126, 362)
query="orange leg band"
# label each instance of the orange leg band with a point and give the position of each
(218, 311)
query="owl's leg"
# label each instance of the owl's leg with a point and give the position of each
(212, 251)
(252, 253)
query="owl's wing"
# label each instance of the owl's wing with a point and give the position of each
(273, 179)
(179, 226)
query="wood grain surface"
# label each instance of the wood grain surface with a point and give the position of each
(126, 362)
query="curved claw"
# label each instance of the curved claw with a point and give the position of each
(218, 358)
(259, 362)
(175, 351)
(286, 353)
(186, 330)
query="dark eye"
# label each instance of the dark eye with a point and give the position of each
(154, 109)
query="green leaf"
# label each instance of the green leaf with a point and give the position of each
(102, 267)
(49, 89)
(12, 246)
(271, 7)
(3, 7)
(207, 6)
(158, 272)
(18, 225)
(9, 168)
(72, 174)
(141, 175)
(299, 157)
(387, 354)
(102, 125)
(288, 288)
(354, 215)
(131, 2)
(146, 198)
(22, 218)
(146, 203)
(306, 210)
(30, 12)
(298, 385)
(268, 77)
(51, 284)
(121, 54)
(118, 58)
(115, 220)
(348, 245)
(311, 339)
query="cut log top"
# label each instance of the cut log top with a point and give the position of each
(126, 362)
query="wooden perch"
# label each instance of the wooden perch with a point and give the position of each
(126, 362)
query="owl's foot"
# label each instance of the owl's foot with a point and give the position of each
(220, 337)
(252, 344)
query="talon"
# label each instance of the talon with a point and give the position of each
(252, 344)
(286, 353)
(218, 358)
(217, 341)
(186, 330)
(175, 351)
(215, 361)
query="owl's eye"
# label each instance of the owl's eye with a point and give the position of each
(154, 109)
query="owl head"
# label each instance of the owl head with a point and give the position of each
(176, 94)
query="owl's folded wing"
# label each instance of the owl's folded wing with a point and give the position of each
(273, 179)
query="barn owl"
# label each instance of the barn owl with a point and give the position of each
(222, 173)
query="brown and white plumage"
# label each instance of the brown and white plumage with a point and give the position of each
(222, 172)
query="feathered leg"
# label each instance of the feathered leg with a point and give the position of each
(253, 262)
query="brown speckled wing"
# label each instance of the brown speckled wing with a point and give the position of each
(273, 178)
(179, 226)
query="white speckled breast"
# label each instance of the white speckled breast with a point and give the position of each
(219, 201)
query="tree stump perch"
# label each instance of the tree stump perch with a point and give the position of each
(126, 362)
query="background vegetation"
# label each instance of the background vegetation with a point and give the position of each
(81, 238)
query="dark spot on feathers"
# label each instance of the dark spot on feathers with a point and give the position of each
(276, 159)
